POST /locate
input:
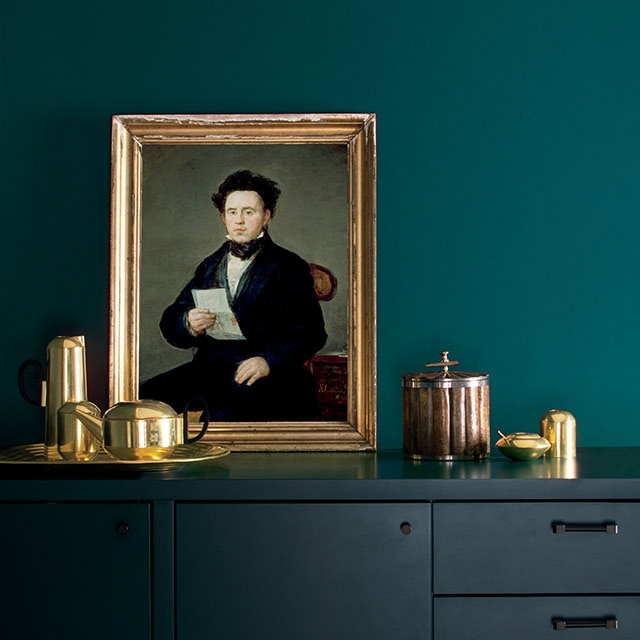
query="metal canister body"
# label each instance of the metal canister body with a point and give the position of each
(446, 415)
(559, 428)
(66, 381)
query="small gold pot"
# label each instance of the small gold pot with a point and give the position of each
(137, 430)
(522, 445)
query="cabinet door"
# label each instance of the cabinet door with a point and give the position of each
(74, 571)
(312, 571)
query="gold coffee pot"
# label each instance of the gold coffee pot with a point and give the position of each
(64, 379)
(136, 430)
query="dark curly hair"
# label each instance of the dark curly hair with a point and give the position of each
(245, 180)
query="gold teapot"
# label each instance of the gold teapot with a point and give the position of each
(140, 430)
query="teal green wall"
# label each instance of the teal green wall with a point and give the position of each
(508, 177)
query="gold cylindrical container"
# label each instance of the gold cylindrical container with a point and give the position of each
(66, 381)
(559, 428)
(445, 414)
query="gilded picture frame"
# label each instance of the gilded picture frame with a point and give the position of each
(328, 162)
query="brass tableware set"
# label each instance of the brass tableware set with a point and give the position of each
(557, 439)
(147, 433)
(446, 417)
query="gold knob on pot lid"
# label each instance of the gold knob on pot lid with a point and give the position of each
(445, 363)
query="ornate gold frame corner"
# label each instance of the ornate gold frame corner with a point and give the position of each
(130, 135)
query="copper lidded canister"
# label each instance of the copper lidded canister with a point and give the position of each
(445, 413)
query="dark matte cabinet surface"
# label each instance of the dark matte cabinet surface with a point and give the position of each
(312, 571)
(75, 571)
(537, 618)
(545, 553)
(542, 547)
(317, 546)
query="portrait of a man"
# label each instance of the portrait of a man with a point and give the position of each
(243, 275)
(257, 371)
(228, 308)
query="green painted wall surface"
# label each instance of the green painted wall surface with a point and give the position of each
(508, 177)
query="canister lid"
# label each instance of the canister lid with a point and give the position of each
(444, 379)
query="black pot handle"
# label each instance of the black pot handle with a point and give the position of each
(185, 420)
(22, 388)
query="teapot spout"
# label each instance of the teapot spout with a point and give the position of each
(80, 430)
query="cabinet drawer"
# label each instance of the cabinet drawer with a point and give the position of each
(537, 618)
(529, 548)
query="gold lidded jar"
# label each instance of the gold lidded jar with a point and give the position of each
(445, 414)
(558, 426)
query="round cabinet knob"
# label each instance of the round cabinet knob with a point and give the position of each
(406, 528)
(123, 528)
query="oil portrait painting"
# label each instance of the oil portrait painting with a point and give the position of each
(243, 275)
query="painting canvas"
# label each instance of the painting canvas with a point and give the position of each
(264, 308)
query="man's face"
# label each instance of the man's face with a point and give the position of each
(244, 215)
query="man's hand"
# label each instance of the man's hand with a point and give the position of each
(251, 370)
(199, 320)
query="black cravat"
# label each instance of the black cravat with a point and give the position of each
(245, 250)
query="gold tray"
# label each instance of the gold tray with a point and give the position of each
(33, 454)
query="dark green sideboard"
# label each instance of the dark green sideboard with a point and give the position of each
(321, 545)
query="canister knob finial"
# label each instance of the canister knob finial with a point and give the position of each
(445, 363)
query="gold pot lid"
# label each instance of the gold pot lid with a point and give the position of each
(140, 410)
(444, 378)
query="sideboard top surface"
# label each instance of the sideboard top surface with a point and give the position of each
(596, 474)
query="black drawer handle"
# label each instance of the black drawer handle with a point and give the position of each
(603, 527)
(560, 624)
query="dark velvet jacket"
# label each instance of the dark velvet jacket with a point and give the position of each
(275, 305)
